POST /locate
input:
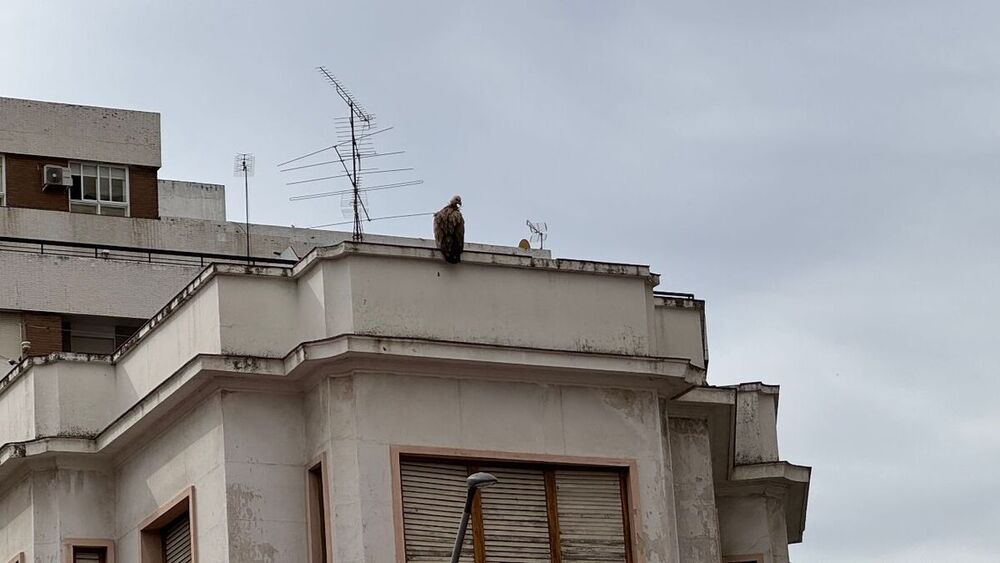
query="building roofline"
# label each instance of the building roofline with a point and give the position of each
(73, 105)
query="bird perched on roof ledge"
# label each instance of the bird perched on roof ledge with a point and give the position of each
(449, 230)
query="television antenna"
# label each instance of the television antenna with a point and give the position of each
(243, 164)
(539, 232)
(355, 132)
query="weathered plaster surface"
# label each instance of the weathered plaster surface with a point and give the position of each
(694, 491)
(16, 519)
(188, 452)
(754, 522)
(192, 200)
(756, 438)
(265, 479)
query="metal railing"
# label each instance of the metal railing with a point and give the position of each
(674, 294)
(132, 253)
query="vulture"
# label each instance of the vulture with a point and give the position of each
(449, 230)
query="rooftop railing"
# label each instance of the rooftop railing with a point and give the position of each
(132, 253)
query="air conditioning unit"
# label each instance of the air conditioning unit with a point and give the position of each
(56, 177)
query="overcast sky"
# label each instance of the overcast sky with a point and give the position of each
(824, 174)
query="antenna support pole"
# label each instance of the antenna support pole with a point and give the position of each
(244, 166)
(355, 165)
(246, 194)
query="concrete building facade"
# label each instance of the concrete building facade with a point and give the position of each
(168, 399)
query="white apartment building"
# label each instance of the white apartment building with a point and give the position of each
(169, 400)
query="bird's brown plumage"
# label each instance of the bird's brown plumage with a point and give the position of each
(449, 230)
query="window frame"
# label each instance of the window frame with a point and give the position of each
(19, 558)
(626, 467)
(318, 468)
(70, 545)
(3, 180)
(97, 203)
(150, 542)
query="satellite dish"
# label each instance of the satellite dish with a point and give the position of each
(524, 244)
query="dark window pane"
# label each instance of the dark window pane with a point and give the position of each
(75, 190)
(118, 190)
(89, 187)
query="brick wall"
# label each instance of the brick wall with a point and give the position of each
(44, 331)
(24, 184)
(24, 187)
(143, 192)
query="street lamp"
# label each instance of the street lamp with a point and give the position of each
(475, 482)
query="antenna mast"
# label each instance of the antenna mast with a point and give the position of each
(356, 130)
(539, 232)
(243, 165)
(355, 111)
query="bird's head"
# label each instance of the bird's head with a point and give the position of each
(456, 201)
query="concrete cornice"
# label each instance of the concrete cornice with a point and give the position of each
(786, 480)
(779, 471)
(789, 481)
(538, 360)
(346, 354)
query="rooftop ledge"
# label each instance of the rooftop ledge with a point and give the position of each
(480, 257)
(350, 248)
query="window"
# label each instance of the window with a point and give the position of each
(89, 551)
(319, 550)
(536, 513)
(99, 189)
(90, 555)
(168, 535)
(176, 540)
(86, 334)
(3, 181)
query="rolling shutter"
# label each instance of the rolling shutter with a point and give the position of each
(88, 555)
(515, 517)
(591, 525)
(534, 514)
(433, 500)
(177, 540)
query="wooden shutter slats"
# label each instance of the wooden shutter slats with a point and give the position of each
(177, 541)
(433, 499)
(533, 515)
(515, 516)
(85, 555)
(591, 523)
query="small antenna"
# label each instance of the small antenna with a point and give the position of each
(539, 232)
(356, 132)
(243, 166)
